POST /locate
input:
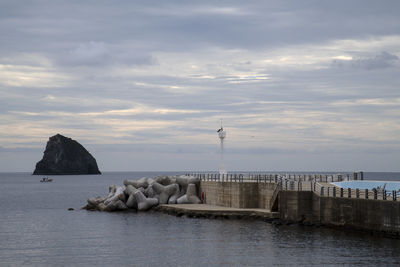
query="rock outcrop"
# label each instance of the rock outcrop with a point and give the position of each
(65, 156)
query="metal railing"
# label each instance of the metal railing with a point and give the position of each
(270, 177)
(317, 183)
(372, 194)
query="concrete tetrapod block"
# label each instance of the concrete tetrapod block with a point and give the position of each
(113, 202)
(150, 181)
(165, 180)
(162, 180)
(172, 199)
(149, 192)
(117, 195)
(95, 200)
(113, 206)
(111, 190)
(164, 192)
(183, 182)
(131, 203)
(190, 197)
(93, 203)
(142, 182)
(143, 202)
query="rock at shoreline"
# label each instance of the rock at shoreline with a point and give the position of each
(65, 156)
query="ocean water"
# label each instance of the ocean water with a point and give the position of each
(36, 229)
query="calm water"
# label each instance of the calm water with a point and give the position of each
(37, 229)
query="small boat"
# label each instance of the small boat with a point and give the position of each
(46, 180)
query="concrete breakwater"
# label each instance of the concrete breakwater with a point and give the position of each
(309, 202)
(146, 193)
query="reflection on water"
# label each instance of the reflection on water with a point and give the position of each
(37, 229)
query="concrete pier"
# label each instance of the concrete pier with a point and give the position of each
(309, 202)
(212, 211)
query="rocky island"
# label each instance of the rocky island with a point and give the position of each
(65, 156)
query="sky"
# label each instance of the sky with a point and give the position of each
(143, 85)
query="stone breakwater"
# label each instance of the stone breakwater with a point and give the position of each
(146, 193)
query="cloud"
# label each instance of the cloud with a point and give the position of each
(157, 77)
(93, 54)
(380, 61)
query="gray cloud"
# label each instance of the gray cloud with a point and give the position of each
(380, 61)
(99, 53)
(150, 81)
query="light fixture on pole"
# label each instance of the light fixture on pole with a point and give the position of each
(222, 134)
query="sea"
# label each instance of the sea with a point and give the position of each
(37, 229)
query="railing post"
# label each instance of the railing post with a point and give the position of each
(384, 194)
(341, 192)
(334, 191)
(375, 193)
(366, 194)
(394, 194)
(322, 191)
(357, 193)
(349, 192)
(286, 181)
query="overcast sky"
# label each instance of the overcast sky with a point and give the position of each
(300, 85)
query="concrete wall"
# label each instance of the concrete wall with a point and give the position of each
(363, 214)
(296, 206)
(305, 206)
(266, 194)
(376, 215)
(238, 195)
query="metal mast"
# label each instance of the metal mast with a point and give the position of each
(222, 134)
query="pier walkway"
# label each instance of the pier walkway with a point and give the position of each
(205, 210)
